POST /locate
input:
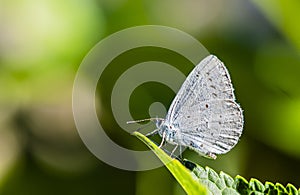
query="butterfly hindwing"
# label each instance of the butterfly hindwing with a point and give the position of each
(211, 126)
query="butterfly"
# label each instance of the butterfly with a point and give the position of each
(204, 115)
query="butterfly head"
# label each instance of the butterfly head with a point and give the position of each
(167, 132)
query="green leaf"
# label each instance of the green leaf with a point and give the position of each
(181, 173)
(224, 184)
(195, 179)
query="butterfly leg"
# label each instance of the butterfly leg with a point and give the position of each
(163, 139)
(173, 151)
(180, 152)
(152, 133)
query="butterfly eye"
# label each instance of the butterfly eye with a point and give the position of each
(158, 123)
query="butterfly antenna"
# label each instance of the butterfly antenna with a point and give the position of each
(143, 120)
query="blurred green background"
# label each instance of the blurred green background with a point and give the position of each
(42, 43)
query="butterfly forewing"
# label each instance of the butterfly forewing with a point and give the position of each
(208, 80)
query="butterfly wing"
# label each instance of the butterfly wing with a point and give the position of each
(212, 126)
(204, 110)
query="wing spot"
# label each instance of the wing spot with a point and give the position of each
(192, 144)
(212, 86)
(206, 105)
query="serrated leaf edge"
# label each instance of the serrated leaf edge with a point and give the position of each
(240, 184)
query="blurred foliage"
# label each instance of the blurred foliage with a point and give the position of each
(43, 42)
(284, 15)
